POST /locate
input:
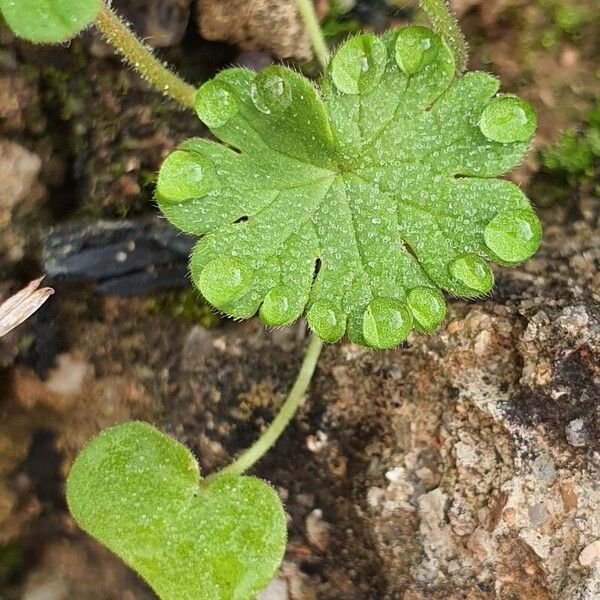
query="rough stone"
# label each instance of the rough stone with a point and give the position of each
(317, 529)
(590, 555)
(256, 25)
(278, 589)
(19, 169)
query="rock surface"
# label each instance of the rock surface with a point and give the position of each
(271, 25)
(484, 472)
(19, 169)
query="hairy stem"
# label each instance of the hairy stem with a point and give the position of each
(142, 60)
(307, 12)
(284, 416)
(445, 24)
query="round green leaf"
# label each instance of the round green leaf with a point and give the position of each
(49, 21)
(359, 204)
(139, 492)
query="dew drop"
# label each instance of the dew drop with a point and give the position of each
(216, 103)
(276, 309)
(326, 321)
(414, 49)
(473, 272)
(359, 64)
(183, 176)
(386, 323)
(270, 92)
(224, 280)
(508, 119)
(427, 306)
(513, 236)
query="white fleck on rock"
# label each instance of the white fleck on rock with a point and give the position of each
(69, 375)
(316, 443)
(590, 554)
(53, 590)
(317, 530)
(278, 589)
(435, 534)
(375, 497)
(544, 468)
(576, 434)
(395, 475)
(538, 514)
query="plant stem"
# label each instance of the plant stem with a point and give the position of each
(140, 57)
(445, 24)
(284, 416)
(317, 39)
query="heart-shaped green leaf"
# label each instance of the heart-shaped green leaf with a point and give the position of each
(49, 21)
(139, 493)
(358, 201)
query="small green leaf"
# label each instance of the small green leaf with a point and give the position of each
(139, 493)
(49, 21)
(357, 201)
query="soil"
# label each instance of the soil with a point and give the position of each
(464, 465)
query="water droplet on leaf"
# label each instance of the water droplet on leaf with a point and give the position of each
(326, 321)
(359, 64)
(427, 306)
(216, 103)
(183, 176)
(276, 309)
(224, 280)
(508, 119)
(270, 92)
(513, 236)
(386, 323)
(473, 272)
(415, 48)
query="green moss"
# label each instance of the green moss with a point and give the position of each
(338, 25)
(117, 168)
(577, 150)
(572, 154)
(147, 178)
(11, 559)
(571, 162)
(186, 305)
(569, 17)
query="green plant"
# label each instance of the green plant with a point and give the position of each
(570, 163)
(337, 24)
(139, 492)
(47, 21)
(575, 154)
(359, 201)
(387, 181)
